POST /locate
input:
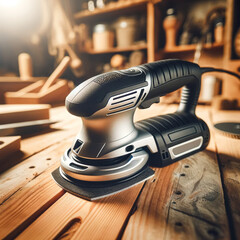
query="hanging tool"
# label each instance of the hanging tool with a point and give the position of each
(111, 152)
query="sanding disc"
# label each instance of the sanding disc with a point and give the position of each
(231, 129)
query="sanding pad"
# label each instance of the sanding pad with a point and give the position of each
(231, 129)
(96, 190)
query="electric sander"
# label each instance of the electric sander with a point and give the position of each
(111, 152)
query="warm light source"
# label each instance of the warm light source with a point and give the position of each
(5, 4)
(20, 17)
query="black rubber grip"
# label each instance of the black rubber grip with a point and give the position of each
(170, 75)
(93, 94)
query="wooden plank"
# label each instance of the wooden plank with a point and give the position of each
(23, 112)
(149, 219)
(58, 71)
(182, 227)
(27, 204)
(111, 7)
(192, 47)
(97, 219)
(230, 87)
(8, 146)
(64, 134)
(36, 142)
(15, 178)
(11, 84)
(228, 152)
(188, 191)
(55, 94)
(199, 194)
(117, 49)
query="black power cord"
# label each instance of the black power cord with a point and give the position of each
(205, 70)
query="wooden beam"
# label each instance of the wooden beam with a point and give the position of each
(8, 147)
(22, 113)
(150, 32)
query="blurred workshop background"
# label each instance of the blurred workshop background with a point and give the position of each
(104, 35)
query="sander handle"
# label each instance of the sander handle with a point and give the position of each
(170, 75)
(165, 76)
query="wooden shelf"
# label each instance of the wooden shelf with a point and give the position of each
(116, 49)
(111, 7)
(192, 47)
(156, 1)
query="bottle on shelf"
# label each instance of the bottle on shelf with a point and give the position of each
(171, 26)
(219, 30)
(103, 37)
(126, 30)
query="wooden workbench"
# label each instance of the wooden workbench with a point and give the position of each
(196, 198)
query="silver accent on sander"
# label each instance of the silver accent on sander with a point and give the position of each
(107, 135)
(185, 147)
(103, 149)
(109, 131)
(132, 164)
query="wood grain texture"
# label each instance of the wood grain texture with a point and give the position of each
(22, 113)
(8, 147)
(199, 195)
(99, 220)
(53, 94)
(59, 70)
(149, 219)
(228, 152)
(59, 139)
(28, 203)
(111, 7)
(13, 180)
(184, 227)
(12, 84)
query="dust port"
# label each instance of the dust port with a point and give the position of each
(129, 148)
(77, 146)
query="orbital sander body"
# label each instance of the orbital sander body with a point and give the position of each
(111, 152)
